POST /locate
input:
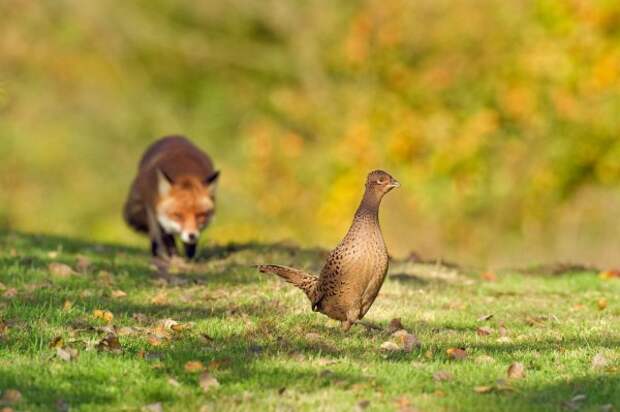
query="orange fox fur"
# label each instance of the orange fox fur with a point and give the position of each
(172, 195)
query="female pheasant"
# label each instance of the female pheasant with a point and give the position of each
(355, 270)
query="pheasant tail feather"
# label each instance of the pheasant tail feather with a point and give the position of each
(304, 281)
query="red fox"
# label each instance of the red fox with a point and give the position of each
(172, 195)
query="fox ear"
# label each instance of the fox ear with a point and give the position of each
(211, 181)
(164, 183)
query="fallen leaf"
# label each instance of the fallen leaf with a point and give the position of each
(599, 361)
(10, 293)
(483, 389)
(456, 353)
(395, 324)
(502, 331)
(11, 396)
(67, 305)
(442, 376)
(389, 347)
(516, 371)
(109, 344)
(160, 299)
(601, 304)
(117, 294)
(208, 382)
(154, 407)
(610, 274)
(363, 405)
(60, 270)
(66, 354)
(204, 338)
(194, 366)
(489, 276)
(103, 314)
(485, 317)
(484, 331)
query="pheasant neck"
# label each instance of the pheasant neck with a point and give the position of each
(369, 207)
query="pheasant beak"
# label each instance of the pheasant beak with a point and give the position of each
(394, 184)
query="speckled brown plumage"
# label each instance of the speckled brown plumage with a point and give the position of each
(355, 270)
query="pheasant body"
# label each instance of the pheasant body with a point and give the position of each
(355, 270)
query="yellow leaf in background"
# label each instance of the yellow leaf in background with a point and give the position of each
(194, 366)
(103, 314)
(601, 304)
(67, 305)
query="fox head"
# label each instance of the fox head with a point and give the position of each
(186, 206)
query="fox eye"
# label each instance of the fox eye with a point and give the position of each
(177, 216)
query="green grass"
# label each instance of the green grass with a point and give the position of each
(259, 349)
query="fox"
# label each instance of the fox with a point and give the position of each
(172, 195)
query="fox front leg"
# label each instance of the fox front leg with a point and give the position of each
(190, 249)
(158, 247)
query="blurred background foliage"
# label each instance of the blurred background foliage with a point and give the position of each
(500, 117)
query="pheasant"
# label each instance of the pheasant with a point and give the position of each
(355, 270)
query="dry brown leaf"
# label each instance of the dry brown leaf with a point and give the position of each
(483, 389)
(67, 305)
(441, 376)
(516, 371)
(363, 405)
(484, 331)
(208, 382)
(11, 396)
(103, 314)
(117, 294)
(407, 340)
(485, 317)
(602, 304)
(154, 407)
(194, 367)
(10, 293)
(456, 353)
(66, 354)
(60, 270)
(109, 344)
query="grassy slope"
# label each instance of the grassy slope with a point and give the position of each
(259, 327)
